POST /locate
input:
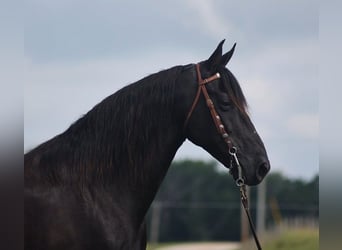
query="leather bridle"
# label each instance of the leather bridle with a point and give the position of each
(232, 150)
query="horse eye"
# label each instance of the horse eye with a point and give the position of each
(225, 104)
(223, 101)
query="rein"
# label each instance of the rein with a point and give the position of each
(232, 150)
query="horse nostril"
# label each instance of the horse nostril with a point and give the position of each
(262, 170)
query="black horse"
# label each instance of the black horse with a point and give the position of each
(91, 186)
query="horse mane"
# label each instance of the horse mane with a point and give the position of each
(232, 87)
(123, 124)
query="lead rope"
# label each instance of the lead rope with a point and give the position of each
(244, 199)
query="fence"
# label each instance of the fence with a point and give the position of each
(218, 221)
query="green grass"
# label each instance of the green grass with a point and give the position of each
(289, 239)
(156, 246)
(286, 239)
(296, 239)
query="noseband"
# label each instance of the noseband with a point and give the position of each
(232, 150)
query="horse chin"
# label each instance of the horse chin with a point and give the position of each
(251, 181)
(248, 180)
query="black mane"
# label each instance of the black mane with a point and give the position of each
(232, 87)
(121, 125)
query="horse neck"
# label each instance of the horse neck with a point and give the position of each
(138, 157)
(121, 147)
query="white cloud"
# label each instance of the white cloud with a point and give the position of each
(262, 97)
(304, 125)
(209, 19)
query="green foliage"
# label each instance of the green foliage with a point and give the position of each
(194, 181)
(200, 202)
(294, 197)
(193, 193)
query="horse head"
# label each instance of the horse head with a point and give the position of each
(217, 119)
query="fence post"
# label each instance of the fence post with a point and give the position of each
(244, 220)
(155, 221)
(261, 207)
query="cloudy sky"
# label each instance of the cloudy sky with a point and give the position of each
(78, 52)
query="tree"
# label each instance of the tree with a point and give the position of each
(200, 202)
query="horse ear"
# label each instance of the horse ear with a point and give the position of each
(226, 57)
(215, 59)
